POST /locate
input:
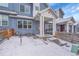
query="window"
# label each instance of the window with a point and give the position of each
(19, 24)
(29, 24)
(22, 8)
(4, 4)
(37, 8)
(0, 20)
(3, 20)
(25, 24)
(25, 9)
(0, 23)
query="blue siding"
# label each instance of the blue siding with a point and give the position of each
(13, 25)
(15, 7)
(13, 21)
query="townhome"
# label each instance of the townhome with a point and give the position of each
(35, 18)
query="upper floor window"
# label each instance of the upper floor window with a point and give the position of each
(3, 20)
(25, 9)
(22, 8)
(4, 4)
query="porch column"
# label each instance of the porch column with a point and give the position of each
(72, 29)
(41, 26)
(54, 26)
(67, 28)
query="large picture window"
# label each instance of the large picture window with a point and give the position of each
(25, 24)
(25, 9)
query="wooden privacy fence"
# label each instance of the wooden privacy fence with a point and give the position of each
(7, 33)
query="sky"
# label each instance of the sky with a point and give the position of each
(70, 9)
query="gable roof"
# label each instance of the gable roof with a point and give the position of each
(61, 20)
(50, 10)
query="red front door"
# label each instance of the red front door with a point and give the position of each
(61, 28)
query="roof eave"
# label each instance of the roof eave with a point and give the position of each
(8, 12)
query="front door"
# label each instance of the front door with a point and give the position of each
(62, 28)
(48, 28)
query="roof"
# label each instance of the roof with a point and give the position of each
(8, 12)
(20, 16)
(60, 10)
(49, 9)
(61, 20)
(75, 23)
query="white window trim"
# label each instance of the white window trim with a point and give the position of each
(17, 24)
(6, 20)
(28, 8)
(23, 25)
(19, 8)
(25, 9)
(29, 24)
(1, 20)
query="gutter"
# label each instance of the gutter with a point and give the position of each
(20, 16)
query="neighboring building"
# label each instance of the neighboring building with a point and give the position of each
(35, 18)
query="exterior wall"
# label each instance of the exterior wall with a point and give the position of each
(40, 6)
(5, 8)
(13, 21)
(13, 25)
(16, 7)
(34, 8)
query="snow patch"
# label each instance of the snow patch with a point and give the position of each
(31, 47)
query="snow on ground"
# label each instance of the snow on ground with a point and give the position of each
(31, 47)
